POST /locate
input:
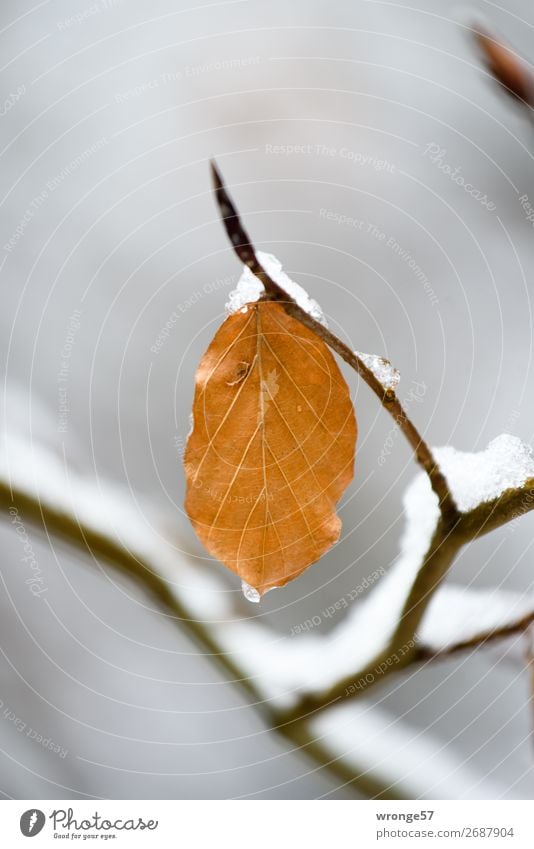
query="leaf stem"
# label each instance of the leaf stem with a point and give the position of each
(244, 249)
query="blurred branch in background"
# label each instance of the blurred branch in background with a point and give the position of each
(78, 521)
(508, 68)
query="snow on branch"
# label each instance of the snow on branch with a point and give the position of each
(475, 478)
(397, 753)
(462, 617)
(285, 668)
(250, 289)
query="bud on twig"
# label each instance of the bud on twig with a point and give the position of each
(508, 68)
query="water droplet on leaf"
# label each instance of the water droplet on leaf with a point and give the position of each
(250, 593)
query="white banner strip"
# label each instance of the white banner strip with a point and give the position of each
(264, 824)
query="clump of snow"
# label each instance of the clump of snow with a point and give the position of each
(250, 289)
(382, 369)
(474, 478)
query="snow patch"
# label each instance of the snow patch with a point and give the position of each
(250, 289)
(382, 369)
(381, 745)
(457, 614)
(506, 463)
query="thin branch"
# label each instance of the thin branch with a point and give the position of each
(478, 640)
(401, 649)
(453, 530)
(364, 782)
(84, 538)
(490, 515)
(443, 549)
(89, 541)
(244, 249)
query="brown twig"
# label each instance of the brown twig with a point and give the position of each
(68, 528)
(478, 640)
(443, 549)
(453, 530)
(244, 249)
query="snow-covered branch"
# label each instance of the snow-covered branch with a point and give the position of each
(408, 609)
(490, 488)
(407, 617)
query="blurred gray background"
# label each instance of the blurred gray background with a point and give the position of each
(329, 122)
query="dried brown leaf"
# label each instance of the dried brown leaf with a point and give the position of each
(272, 447)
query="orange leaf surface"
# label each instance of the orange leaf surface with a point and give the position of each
(272, 447)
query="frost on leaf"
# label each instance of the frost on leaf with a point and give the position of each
(272, 448)
(382, 369)
(250, 289)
